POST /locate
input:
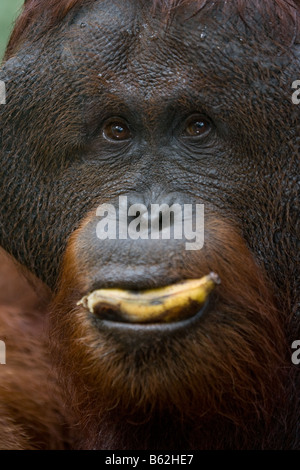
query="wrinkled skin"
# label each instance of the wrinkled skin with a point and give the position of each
(133, 389)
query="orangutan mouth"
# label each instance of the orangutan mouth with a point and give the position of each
(168, 304)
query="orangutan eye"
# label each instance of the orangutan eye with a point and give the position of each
(197, 127)
(116, 130)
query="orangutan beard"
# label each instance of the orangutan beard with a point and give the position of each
(219, 383)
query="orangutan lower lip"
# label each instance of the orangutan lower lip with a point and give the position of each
(135, 333)
(163, 305)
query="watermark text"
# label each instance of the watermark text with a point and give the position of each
(2, 352)
(2, 92)
(159, 221)
(296, 353)
(296, 94)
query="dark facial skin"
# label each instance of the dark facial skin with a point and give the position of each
(116, 63)
(125, 64)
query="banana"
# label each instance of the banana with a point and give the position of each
(164, 304)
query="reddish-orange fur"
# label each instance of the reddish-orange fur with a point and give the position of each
(234, 362)
(31, 410)
(233, 375)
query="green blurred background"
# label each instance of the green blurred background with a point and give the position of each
(9, 10)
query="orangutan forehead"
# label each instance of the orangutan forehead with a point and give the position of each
(125, 48)
(114, 39)
(125, 34)
(158, 18)
(116, 29)
(278, 19)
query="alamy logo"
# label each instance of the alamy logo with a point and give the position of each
(296, 94)
(160, 221)
(2, 92)
(296, 354)
(2, 353)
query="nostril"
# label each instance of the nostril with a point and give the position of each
(137, 214)
(166, 218)
(160, 222)
(172, 218)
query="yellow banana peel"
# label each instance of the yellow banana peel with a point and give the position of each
(163, 304)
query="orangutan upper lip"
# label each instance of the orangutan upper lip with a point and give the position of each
(167, 304)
